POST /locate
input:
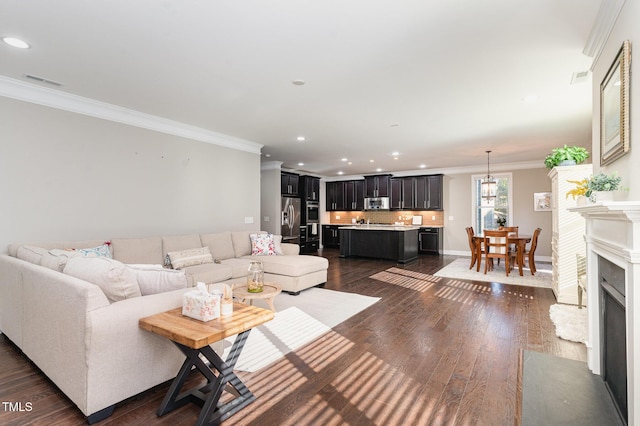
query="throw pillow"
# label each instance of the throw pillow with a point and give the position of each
(117, 281)
(183, 258)
(277, 241)
(31, 254)
(56, 259)
(100, 251)
(262, 245)
(154, 279)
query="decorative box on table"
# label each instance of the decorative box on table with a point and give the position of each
(200, 304)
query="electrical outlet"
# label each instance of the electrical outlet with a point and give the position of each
(337, 217)
(450, 218)
(248, 219)
(433, 217)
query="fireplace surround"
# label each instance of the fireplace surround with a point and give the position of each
(612, 236)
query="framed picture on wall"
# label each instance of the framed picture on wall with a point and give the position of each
(541, 201)
(614, 108)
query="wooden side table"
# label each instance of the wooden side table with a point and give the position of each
(270, 290)
(193, 338)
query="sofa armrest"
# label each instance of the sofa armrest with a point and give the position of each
(290, 249)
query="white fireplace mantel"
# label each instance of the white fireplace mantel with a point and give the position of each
(613, 232)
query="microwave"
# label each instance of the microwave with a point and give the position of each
(376, 203)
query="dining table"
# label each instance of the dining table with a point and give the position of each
(520, 240)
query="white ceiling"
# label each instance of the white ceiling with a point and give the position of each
(440, 82)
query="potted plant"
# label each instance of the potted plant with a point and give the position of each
(602, 183)
(501, 221)
(566, 156)
(579, 193)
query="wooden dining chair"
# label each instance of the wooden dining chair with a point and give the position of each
(496, 246)
(529, 254)
(472, 246)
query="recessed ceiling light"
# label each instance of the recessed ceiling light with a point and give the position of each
(395, 124)
(16, 42)
(298, 82)
(343, 159)
(350, 163)
(422, 166)
(395, 153)
(378, 169)
(340, 173)
(300, 164)
(371, 161)
(267, 155)
(301, 139)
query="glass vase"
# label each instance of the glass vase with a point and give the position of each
(255, 278)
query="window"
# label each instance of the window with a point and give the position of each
(487, 211)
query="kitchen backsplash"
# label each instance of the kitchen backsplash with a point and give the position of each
(429, 218)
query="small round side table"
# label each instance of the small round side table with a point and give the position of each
(270, 290)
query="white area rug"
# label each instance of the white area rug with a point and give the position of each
(298, 320)
(459, 269)
(570, 322)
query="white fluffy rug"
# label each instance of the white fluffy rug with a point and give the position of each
(459, 269)
(570, 322)
(298, 320)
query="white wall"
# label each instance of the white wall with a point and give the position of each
(271, 204)
(626, 28)
(66, 176)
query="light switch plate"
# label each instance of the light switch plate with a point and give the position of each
(248, 219)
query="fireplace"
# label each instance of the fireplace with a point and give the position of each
(613, 332)
(612, 236)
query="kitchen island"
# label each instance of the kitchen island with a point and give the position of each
(391, 242)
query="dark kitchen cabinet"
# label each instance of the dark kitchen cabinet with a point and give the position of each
(430, 240)
(428, 192)
(402, 194)
(354, 195)
(377, 186)
(330, 236)
(289, 183)
(311, 188)
(335, 196)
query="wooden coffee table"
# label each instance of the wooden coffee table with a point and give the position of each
(193, 338)
(270, 290)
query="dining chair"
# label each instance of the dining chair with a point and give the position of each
(510, 229)
(528, 257)
(472, 246)
(496, 246)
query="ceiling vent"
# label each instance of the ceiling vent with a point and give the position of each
(43, 80)
(579, 77)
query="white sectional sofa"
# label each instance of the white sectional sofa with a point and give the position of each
(85, 336)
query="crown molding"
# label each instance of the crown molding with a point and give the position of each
(16, 89)
(602, 27)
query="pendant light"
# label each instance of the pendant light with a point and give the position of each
(488, 189)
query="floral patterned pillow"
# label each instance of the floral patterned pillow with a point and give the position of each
(262, 245)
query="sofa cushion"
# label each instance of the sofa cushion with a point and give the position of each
(240, 267)
(138, 250)
(31, 254)
(292, 266)
(195, 256)
(180, 242)
(220, 245)
(56, 259)
(262, 245)
(117, 281)
(153, 279)
(208, 273)
(241, 243)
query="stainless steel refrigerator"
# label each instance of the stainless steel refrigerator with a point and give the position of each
(290, 220)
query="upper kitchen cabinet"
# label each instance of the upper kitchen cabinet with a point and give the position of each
(354, 195)
(335, 196)
(289, 183)
(428, 192)
(377, 186)
(311, 188)
(402, 193)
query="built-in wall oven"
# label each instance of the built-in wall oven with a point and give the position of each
(312, 213)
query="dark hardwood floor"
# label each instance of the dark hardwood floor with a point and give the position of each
(431, 351)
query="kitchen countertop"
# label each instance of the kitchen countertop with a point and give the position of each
(378, 227)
